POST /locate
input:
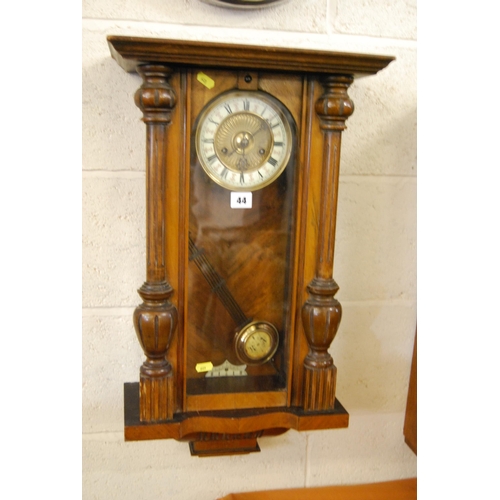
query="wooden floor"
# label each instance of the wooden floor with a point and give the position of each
(405, 489)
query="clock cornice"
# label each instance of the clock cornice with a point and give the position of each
(129, 52)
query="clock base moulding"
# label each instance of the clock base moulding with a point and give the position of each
(227, 431)
(225, 284)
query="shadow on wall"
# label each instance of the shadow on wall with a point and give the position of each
(375, 267)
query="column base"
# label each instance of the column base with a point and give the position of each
(319, 388)
(156, 398)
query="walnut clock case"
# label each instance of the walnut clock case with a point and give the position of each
(242, 172)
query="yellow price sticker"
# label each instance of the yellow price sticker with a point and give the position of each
(204, 367)
(205, 80)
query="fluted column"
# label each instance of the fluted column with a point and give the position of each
(155, 319)
(321, 313)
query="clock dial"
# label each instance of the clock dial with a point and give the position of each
(243, 140)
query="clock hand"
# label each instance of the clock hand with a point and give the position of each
(264, 126)
(227, 153)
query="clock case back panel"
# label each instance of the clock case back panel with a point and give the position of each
(252, 251)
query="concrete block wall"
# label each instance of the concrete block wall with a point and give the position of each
(375, 263)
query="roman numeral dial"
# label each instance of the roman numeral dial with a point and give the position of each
(245, 139)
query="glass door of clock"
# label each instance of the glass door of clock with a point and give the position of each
(241, 245)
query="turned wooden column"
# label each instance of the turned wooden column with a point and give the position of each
(156, 318)
(321, 312)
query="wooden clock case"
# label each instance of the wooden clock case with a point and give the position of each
(313, 86)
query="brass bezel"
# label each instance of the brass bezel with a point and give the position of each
(269, 100)
(243, 335)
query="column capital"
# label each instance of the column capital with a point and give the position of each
(335, 105)
(155, 98)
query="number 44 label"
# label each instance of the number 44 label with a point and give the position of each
(241, 200)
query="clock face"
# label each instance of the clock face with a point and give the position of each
(243, 140)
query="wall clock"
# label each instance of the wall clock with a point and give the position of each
(244, 4)
(239, 308)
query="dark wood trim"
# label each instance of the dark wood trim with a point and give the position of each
(184, 426)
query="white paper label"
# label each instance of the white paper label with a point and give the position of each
(241, 200)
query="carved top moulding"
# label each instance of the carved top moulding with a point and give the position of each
(131, 51)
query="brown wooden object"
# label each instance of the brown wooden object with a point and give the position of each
(402, 489)
(224, 284)
(410, 425)
(321, 312)
(156, 318)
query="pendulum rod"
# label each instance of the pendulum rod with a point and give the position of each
(217, 283)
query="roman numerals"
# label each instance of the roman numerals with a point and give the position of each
(272, 161)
